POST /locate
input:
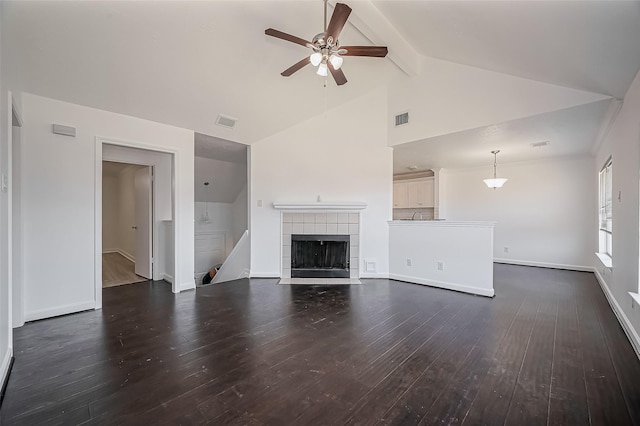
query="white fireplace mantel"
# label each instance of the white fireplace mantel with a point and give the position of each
(321, 205)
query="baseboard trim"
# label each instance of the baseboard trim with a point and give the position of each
(5, 370)
(631, 333)
(544, 265)
(120, 251)
(189, 285)
(264, 275)
(127, 255)
(374, 275)
(59, 310)
(445, 285)
(168, 278)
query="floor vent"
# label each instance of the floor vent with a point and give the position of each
(402, 119)
(226, 121)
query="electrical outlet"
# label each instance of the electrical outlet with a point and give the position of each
(408, 262)
(259, 203)
(440, 266)
(506, 249)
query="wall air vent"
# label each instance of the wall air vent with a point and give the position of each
(539, 144)
(226, 121)
(402, 119)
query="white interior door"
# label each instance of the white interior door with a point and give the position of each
(144, 211)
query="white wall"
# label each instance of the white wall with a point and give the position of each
(110, 208)
(16, 218)
(239, 215)
(623, 145)
(447, 97)
(342, 156)
(5, 234)
(61, 238)
(544, 212)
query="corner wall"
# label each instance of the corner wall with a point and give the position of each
(59, 200)
(544, 213)
(340, 156)
(623, 145)
(6, 333)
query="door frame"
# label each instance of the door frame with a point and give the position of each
(99, 142)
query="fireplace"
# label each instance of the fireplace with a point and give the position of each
(319, 256)
(341, 226)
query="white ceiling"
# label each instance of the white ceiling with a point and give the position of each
(220, 149)
(590, 45)
(570, 132)
(180, 63)
(183, 63)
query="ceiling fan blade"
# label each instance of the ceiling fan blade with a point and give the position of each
(338, 75)
(295, 67)
(284, 36)
(374, 51)
(339, 18)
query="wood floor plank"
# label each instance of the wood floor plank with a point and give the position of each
(530, 401)
(568, 394)
(605, 399)
(547, 348)
(492, 400)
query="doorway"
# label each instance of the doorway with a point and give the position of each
(127, 223)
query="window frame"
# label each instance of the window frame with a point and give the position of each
(605, 209)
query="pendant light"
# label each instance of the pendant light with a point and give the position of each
(495, 182)
(205, 217)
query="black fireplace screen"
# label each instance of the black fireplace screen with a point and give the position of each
(319, 256)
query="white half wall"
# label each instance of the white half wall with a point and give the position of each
(544, 213)
(447, 97)
(445, 254)
(622, 143)
(59, 205)
(341, 155)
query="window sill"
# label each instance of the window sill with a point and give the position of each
(605, 259)
(635, 296)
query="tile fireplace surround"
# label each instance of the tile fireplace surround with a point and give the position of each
(322, 223)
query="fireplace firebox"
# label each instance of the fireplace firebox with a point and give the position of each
(319, 256)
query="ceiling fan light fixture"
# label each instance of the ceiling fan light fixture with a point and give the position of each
(336, 61)
(315, 58)
(322, 69)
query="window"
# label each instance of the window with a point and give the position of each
(605, 202)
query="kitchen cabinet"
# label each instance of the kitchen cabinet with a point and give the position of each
(413, 193)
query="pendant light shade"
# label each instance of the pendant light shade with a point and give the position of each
(495, 182)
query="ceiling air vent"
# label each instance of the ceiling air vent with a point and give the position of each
(539, 144)
(402, 119)
(226, 121)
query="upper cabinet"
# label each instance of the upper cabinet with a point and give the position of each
(413, 193)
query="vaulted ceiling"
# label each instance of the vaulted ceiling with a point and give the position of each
(183, 63)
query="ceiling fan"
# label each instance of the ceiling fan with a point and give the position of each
(327, 53)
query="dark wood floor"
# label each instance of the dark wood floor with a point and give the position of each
(546, 350)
